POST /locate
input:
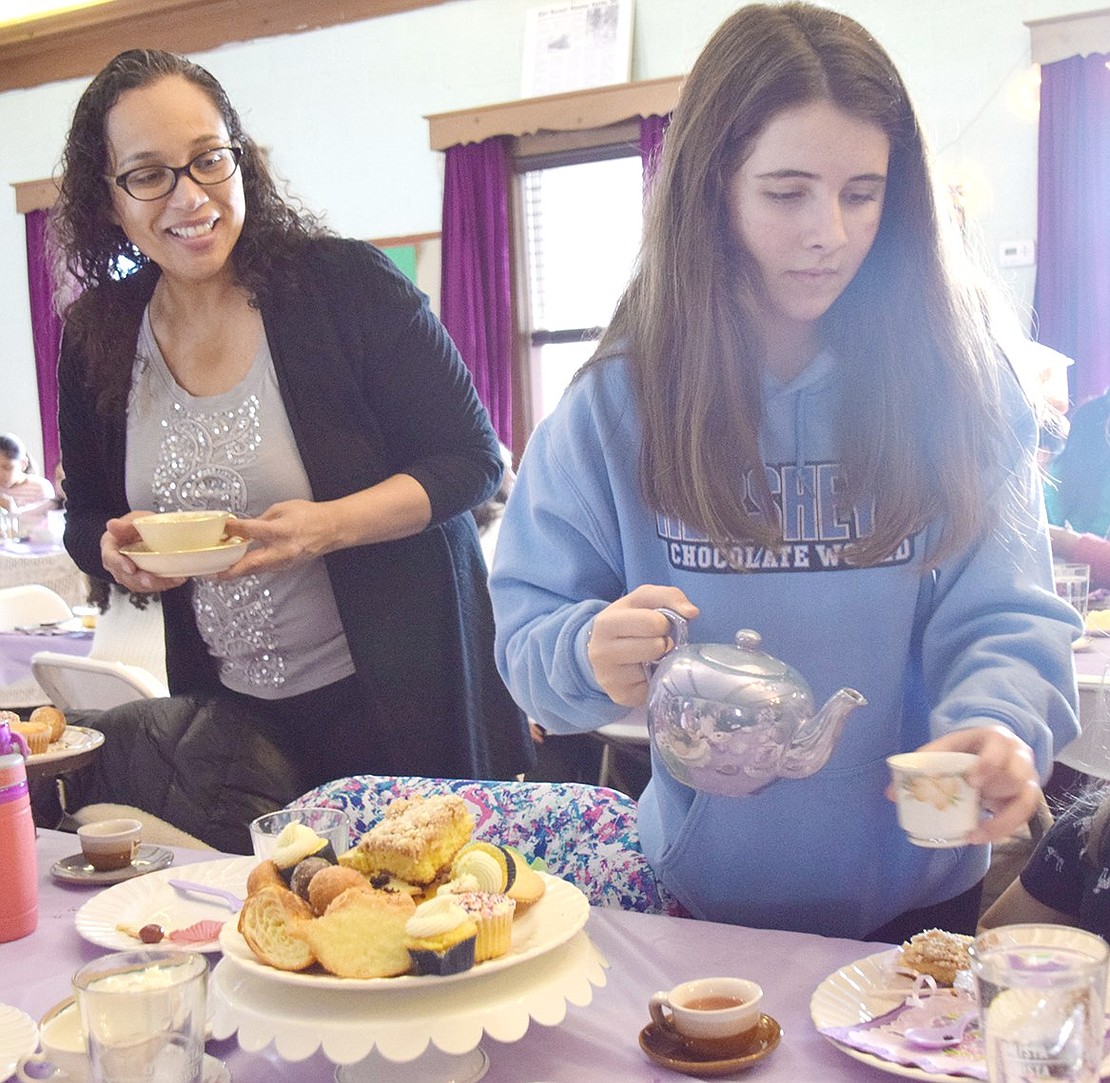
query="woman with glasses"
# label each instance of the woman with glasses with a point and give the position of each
(228, 352)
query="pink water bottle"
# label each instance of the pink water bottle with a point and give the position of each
(19, 880)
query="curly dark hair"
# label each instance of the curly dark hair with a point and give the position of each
(95, 252)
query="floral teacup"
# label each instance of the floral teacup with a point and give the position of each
(937, 806)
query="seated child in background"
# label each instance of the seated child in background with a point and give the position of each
(22, 493)
(1067, 879)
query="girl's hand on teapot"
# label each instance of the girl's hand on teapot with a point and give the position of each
(1005, 776)
(628, 634)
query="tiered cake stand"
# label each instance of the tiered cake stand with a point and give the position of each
(418, 1028)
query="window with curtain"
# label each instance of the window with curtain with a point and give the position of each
(581, 228)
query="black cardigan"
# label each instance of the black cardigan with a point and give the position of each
(372, 386)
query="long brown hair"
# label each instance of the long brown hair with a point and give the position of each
(920, 427)
(96, 253)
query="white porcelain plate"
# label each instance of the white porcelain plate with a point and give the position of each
(853, 994)
(19, 1034)
(150, 900)
(550, 921)
(190, 562)
(74, 739)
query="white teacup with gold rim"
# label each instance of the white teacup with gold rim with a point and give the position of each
(62, 1043)
(181, 531)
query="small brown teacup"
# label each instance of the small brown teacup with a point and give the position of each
(110, 844)
(710, 1014)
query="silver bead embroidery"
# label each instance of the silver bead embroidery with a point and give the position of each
(200, 465)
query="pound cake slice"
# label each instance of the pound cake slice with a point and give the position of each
(414, 840)
(361, 934)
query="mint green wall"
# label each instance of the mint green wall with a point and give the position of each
(342, 110)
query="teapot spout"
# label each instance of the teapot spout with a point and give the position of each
(812, 745)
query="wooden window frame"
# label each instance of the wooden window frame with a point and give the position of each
(576, 123)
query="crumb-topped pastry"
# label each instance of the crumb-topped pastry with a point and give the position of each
(414, 840)
(936, 953)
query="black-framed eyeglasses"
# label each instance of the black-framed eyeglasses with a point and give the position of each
(149, 182)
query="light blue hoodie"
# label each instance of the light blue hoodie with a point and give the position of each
(984, 641)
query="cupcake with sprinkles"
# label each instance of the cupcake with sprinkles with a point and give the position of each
(492, 914)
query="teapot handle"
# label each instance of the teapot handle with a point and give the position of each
(677, 626)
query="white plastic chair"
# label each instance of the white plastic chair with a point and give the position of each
(1090, 751)
(74, 683)
(31, 603)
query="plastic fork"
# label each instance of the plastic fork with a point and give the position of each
(230, 898)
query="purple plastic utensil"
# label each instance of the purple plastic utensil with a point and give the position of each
(942, 1037)
(228, 897)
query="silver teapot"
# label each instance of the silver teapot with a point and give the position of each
(729, 720)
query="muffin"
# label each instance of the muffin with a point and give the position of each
(493, 916)
(440, 937)
(36, 734)
(54, 718)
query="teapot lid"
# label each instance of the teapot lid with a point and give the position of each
(747, 656)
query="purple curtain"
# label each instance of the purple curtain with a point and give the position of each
(46, 329)
(652, 130)
(1072, 298)
(476, 289)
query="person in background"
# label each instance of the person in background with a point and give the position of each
(798, 422)
(24, 495)
(1077, 492)
(1066, 880)
(1075, 548)
(227, 351)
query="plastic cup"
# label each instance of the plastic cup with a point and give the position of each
(332, 824)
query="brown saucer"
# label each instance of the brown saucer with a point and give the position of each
(666, 1048)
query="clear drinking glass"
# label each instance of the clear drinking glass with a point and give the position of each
(1042, 1001)
(1073, 583)
(332, 824)
(144, 1016)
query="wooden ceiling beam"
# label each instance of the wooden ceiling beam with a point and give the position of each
(73, 44)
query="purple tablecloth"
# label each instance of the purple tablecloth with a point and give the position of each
(18, 687)
(593, 1043)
